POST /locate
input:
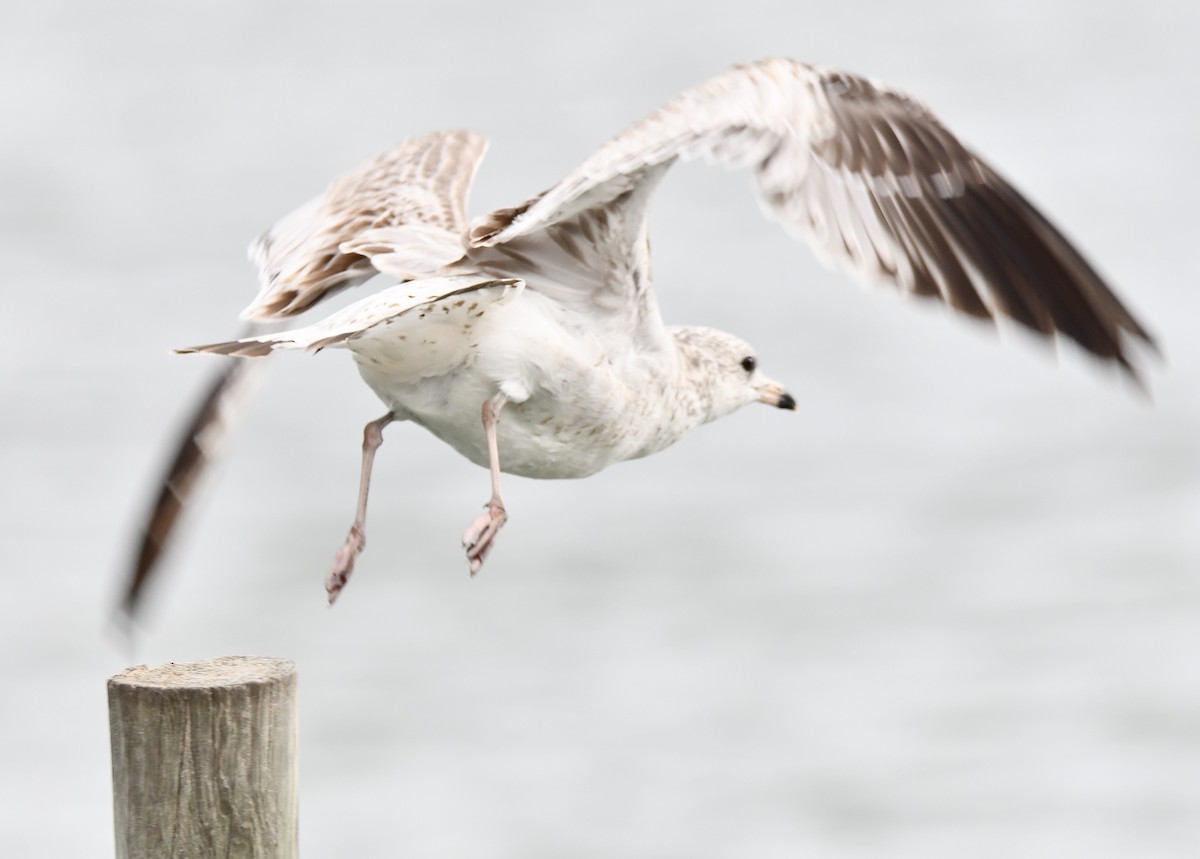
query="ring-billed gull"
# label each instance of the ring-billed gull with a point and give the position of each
(531, 340)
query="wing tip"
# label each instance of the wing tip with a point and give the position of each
(252, 348)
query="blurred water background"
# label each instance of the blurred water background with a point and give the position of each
(949, 608)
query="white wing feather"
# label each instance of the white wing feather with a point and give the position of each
(358, 319)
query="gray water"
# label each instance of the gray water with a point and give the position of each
(949, 608)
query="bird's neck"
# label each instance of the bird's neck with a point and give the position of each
(692, 388)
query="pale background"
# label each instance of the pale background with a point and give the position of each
(951, 607)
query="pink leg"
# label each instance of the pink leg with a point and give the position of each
(477, 539)
(343, 562)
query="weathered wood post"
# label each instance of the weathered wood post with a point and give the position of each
(204, 759)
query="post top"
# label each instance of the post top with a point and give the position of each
(223, 671)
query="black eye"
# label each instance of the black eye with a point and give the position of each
(748, 363)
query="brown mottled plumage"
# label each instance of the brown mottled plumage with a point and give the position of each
(563, 331)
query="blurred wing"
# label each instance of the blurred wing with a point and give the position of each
(402, 214)
(868, 176)
(198, 445)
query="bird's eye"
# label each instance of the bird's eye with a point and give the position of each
(748, 363)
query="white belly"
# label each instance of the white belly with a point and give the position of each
(569, 412)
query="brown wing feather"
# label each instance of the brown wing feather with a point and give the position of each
(868, 176)
(197, 446)
(402, 213)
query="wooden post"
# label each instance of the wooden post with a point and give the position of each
(204, 759)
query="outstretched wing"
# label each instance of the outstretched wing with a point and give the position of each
(364, 318)
(402, 214)
(868, 176)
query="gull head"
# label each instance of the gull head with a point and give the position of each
(720, 374)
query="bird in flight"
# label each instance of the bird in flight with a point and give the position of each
(530, 340)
